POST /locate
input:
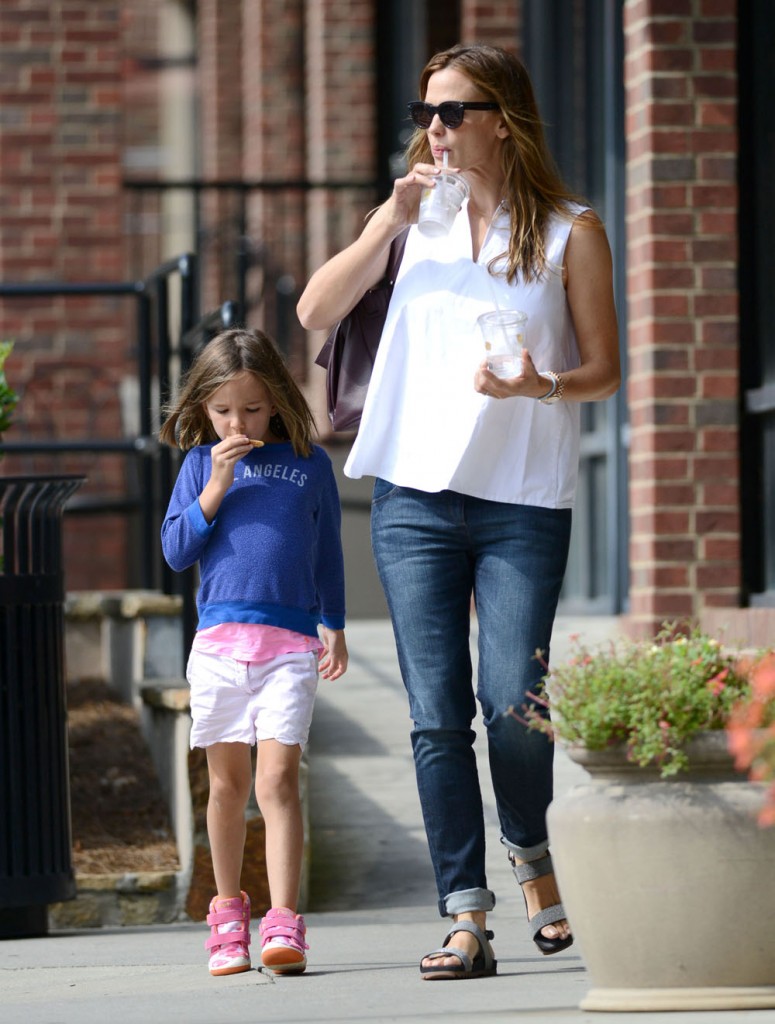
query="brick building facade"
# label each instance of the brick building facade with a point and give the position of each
(96, 99)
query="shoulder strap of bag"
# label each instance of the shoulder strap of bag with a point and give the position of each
(395, 256)
(397, 247)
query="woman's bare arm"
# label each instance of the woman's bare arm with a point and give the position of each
(335, 287)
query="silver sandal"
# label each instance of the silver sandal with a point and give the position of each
(549, 915)
(483, 964)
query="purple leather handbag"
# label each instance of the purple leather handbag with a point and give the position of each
(350, 349)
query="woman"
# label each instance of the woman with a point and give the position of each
(475, 475)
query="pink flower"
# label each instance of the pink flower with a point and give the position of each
(716, 686)
(764, 679)
(767, 813)
(741, 746)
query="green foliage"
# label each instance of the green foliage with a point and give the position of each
(8, 397)
(652, 696)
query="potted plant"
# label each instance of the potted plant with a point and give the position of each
(664, 871)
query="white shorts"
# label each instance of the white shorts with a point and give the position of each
(244, 701)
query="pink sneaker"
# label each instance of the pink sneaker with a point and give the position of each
(282, 941)
(229, 922)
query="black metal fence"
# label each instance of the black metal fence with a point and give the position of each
(154, 346)
(35, 835)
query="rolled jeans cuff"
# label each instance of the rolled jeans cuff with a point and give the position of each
(527, 853)
(466, 900)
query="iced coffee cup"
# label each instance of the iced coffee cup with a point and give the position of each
(503, 333)
(440, 205)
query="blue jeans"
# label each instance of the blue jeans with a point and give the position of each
(433, 551)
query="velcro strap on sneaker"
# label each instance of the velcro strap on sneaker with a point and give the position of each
(284, 930)
(225, 938)
(225, 916)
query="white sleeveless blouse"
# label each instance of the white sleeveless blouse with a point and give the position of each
(423, 425)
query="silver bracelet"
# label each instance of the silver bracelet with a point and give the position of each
(558, 387)
(552, 378)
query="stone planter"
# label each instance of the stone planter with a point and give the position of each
(668, 883)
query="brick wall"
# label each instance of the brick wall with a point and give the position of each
(219, 87)
(497, 24)
(59, 180)
(682, 300)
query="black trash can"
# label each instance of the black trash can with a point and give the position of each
(35, 831)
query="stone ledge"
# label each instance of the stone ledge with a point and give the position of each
(128, 881)
(129, 898)
(124, 636)
(167, 695)
(123, 604)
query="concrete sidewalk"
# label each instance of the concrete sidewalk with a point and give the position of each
(372, 901)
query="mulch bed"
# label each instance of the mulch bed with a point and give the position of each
(120, 819)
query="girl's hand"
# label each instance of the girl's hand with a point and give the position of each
(527, 385)
(333, 658)
(225, 455)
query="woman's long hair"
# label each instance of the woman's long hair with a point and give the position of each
(534, 189)
(227, 355)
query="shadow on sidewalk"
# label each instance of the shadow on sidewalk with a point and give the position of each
(368, 848)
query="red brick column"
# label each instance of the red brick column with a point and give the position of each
(683, 323)
(274, 150)
(219, 71)
(341, 136)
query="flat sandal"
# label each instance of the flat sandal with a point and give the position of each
(483, 965)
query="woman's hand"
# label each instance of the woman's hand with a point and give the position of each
(529, 384)
(407, 191)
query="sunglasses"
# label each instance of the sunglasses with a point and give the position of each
(451, 112)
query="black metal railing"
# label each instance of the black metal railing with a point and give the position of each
(35, 835)
(154, 328)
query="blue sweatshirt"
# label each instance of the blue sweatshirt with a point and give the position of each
(273, 553)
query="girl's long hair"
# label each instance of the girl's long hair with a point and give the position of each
(227, 355)
(534, 189)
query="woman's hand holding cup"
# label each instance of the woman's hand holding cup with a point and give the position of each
(529, 384)
(407, 191)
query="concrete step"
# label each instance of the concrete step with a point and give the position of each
(133, 898)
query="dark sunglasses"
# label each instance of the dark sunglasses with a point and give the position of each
(451, 112)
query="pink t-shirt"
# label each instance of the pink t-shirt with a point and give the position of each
(249, 641)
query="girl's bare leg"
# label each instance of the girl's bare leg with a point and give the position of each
(277, 793)
(230, 771)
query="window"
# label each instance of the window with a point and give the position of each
(575, 57)
(757, 299)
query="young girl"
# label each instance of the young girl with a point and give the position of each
(256, 506)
